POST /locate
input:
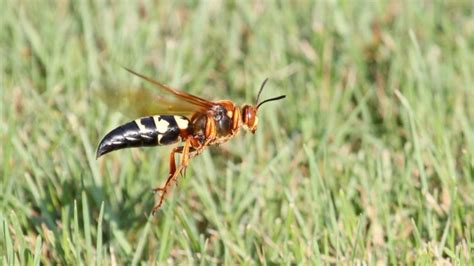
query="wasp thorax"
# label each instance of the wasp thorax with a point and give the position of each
(249, 117)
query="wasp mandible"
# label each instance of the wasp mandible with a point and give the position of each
(187, 118)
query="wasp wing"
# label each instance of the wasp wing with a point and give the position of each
(181, 95)
(143, 102)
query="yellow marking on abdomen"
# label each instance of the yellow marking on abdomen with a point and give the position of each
(140, 125)
(181, 122)
(161, 124)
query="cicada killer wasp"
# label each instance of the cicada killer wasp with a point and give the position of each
(187, 118)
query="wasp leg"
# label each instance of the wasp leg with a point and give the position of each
(187, 155)
(172, 168)
(196, 145)
(174, 172)
(210, 134)
(236, 121)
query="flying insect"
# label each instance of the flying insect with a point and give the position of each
(183, 117)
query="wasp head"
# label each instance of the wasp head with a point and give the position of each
(249, 117)
(249, 112)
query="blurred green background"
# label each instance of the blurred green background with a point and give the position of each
(369, 159)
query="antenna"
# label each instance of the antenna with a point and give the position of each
(271, 99)
(261, 89)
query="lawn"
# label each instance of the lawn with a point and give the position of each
(370, 158)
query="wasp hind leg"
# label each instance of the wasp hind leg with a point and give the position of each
(174, 172)
(172, 169)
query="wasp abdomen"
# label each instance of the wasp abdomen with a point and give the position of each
(147, 131)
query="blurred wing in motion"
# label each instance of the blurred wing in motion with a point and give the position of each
(143, 102)
(179, 94)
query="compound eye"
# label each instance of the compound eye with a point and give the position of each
(250, 118)
(245, 115)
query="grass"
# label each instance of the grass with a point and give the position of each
(369, 159)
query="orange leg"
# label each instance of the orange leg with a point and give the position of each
(236, 120)
(192, 144)
(210, 134)
(175, 172)
(172, 168)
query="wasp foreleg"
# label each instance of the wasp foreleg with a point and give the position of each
(210, 134)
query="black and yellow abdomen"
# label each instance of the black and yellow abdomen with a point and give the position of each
(147, 131)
